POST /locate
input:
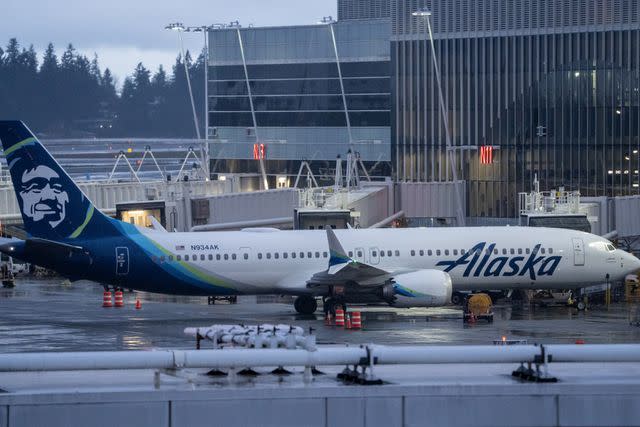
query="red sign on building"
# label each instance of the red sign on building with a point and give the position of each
(486, 154)
(259, 151)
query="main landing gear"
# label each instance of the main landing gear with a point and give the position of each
(331, 304)
(305, 304)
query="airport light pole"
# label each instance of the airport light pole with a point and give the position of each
(179, 27)
(460, 216)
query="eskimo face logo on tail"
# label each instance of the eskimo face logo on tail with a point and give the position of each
(43, 197)
(477, 262)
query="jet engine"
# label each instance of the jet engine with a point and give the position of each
(423, 288)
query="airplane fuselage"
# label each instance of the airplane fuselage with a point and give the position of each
(280, 262)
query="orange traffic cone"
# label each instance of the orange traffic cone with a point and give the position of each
(138, 304)
(357, 320)
(106, 299)
(339, 317)
(348, 325)
(119, 300)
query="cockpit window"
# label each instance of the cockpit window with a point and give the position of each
(610, 247)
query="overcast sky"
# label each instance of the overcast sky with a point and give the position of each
(124, 33)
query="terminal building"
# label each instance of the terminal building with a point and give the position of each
(287, 94)
(546, 87)
(532, 87)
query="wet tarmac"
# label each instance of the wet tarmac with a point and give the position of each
(47, 315)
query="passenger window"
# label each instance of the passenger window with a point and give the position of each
(389, 253)
(413, 252)
(438, 252)
(226, 257)
(170, 257)
(293, 254)
(542, 250)
(285, 255)
(455, 252)
(162, 258)
(268, 255)
(495, 252)
(276, 255)
(504, 251)
(550, 251)
(245, 256)
(382, 253)
(519, 251)
(178, 257)
(210, 257)
(186, 257)
(350, 254)
(397, 252)
(202, 257)
(430, 252)
(309, 255)
(526, 251)
(446, 251)
(301, 254)
(374, 254)
(324, 254)
(259, 255)
(359, 254)
(217, 257)
(421, 252)
(462, 252)
(512, 251)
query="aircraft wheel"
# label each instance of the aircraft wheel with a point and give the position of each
(456, 298)
(305, 304)
(581, 306)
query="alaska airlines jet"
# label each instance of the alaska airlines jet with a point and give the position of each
(399, 267)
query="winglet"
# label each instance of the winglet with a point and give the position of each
(337, 254)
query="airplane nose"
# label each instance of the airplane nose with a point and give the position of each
(632, 262)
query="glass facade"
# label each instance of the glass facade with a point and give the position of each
(362, 9)
(552, 86)
(286, 88)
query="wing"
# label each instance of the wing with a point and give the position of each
(344, 270)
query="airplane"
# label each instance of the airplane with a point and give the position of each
(415, 267)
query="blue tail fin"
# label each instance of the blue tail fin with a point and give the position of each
(52, 205)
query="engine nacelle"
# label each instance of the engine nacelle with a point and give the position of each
(423, 288)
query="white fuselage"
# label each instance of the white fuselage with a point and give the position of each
(271, 261)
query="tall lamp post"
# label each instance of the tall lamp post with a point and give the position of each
(177, 26)
(460, 216)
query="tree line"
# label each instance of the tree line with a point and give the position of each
(71, 96)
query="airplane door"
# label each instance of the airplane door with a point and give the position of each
(374, 256)
(122, 261)
(578, 251)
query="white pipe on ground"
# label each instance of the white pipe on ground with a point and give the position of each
(325, 356)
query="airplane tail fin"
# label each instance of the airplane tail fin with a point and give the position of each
(52, 205)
